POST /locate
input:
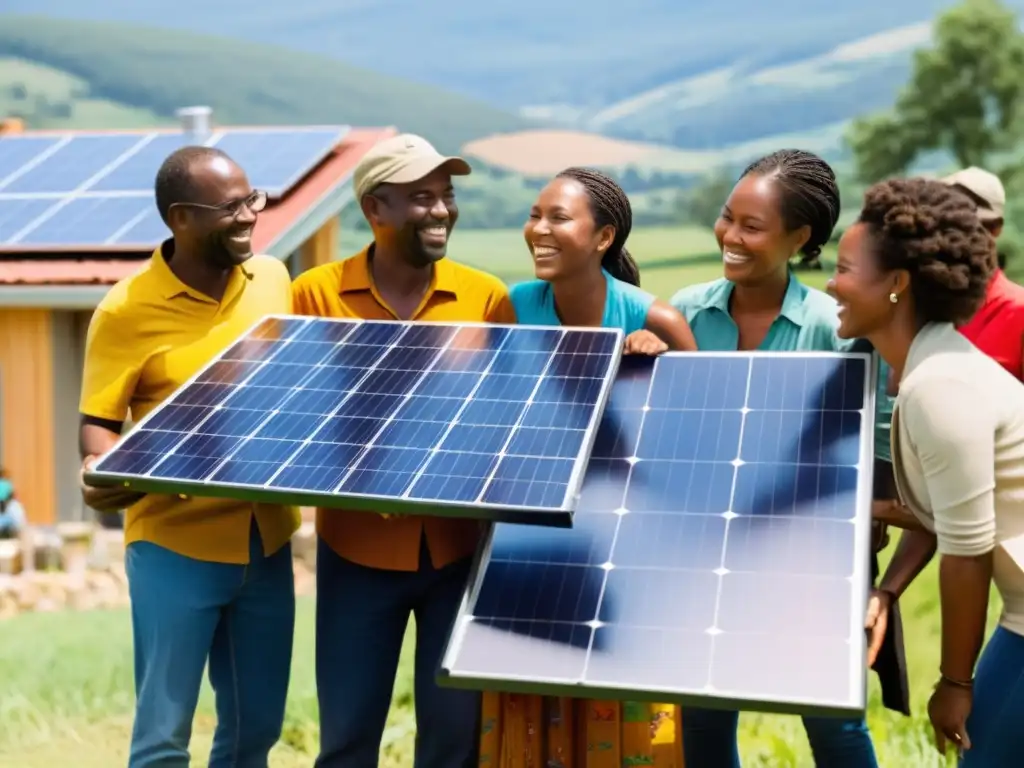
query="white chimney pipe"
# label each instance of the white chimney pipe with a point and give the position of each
(196, 123)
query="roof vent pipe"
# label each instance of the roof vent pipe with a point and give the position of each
(195, 123)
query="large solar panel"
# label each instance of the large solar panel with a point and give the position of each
(719, 551)
(96, 190)
(484, 421)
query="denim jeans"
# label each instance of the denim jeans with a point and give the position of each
(709, 740)
(361, 617)
(240, 618)
(996, 722)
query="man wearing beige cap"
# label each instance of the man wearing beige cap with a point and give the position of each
(997, 329)
(374, 571)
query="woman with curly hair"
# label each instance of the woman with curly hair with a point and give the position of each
(914, 266)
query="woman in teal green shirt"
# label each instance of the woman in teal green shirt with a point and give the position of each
(784, 204)
(577, 233)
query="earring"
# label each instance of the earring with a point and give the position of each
(893, 298)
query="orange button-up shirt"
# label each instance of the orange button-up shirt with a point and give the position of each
(457, 294)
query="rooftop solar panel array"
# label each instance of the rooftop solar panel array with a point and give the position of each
(491, 422)
(719, 551)
(96, 190)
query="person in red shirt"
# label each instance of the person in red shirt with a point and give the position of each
(998, 327)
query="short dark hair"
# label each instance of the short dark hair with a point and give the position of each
(609, 205)
(809, 195)
(933, 232)
(174, 182)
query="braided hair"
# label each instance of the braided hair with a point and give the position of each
(610, 207)
(809, 196)
(933, 232)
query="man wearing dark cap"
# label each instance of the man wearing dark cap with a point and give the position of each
(373, 571)
(997, 329)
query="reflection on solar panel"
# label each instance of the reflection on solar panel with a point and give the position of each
(97, 189)
(482, 421)
(719, 550)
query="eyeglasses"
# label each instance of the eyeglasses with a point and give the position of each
(255, 202)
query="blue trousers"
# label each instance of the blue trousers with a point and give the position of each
(996, 722)
(709, 740)
(241, 619)
(361, 617)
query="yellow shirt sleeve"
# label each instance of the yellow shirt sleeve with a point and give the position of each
(112, 368)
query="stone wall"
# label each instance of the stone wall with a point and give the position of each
(82, 568)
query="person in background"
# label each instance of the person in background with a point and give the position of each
(917, 263)
(374, 571)
(12, 514)
(210, 580)
(784, 204)
(576, 233)
(997, 328)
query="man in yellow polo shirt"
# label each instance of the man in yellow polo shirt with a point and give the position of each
(209, 579)
(372, 571)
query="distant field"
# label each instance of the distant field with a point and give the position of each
(59, 100)
(545, 152)
(162, 69)
(670, 258)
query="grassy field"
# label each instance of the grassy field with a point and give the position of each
(158, 70)
(670, 258)
(66, 697)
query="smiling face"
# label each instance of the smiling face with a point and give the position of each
(862, 287)
(417, 218)
(752, 233)
(561, 233)
(215, 222)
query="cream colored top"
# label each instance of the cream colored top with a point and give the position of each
(958, 455)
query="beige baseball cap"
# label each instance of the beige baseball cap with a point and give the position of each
(399, 160)
(985, 186)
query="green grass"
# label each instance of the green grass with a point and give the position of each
(160, 70)
(56, 100)
(66, 697)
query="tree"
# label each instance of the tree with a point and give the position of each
(702, 203)
(965, 96)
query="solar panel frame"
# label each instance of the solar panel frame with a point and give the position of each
(504, 644)
(479, 510)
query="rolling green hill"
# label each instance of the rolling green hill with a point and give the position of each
(158, 70)
(697, 75)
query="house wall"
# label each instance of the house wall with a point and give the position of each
(27, 418)
(42, 353)
(69, 329)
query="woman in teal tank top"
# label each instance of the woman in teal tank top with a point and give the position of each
(577, 234)
(784, 204)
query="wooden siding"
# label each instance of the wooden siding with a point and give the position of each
(26, 408)
(321, 248)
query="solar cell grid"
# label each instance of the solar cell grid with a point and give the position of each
(719, 550)
(275, 159)
(137, 172)
(113, 174)
(16, 152)
(483, 421)
(74, 164)
(88, 219)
